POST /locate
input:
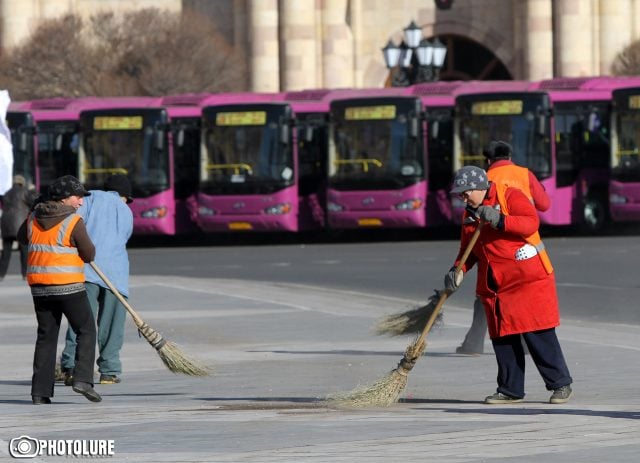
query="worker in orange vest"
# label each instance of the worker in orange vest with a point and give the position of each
(502, 171)
(58, 247)
(515, 283)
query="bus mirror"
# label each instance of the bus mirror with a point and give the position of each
(284, 134)
(308, 133)
(58, 142)
(593, 122)
(23, 142)
(413, 128)
(159, 135)
(180, 138)
(541, 124)
(435, 128)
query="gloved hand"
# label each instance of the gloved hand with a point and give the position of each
(489, 215)
(453, 280)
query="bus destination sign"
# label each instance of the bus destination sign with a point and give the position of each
(498, 107)
(117, 123)
(634, 102)
(368, 113)
(242, 118)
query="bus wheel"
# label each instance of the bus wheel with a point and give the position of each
(595, 214)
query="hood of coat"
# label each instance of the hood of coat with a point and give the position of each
(50, 213)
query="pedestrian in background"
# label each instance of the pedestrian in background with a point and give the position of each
(515, 282)
(109, 222)
(16, 204)
(59, 246)
(503, 172)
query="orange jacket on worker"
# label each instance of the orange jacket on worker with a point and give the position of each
(52, 258)
(518, 295)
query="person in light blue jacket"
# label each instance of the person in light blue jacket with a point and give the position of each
(109, 222)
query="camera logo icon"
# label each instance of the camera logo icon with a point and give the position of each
(24, 447)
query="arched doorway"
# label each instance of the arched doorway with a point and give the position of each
(467, 59)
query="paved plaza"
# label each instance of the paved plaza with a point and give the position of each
(278, 350)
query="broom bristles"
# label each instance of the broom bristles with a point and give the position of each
(386, 391)
(172, 356)
(412, 321)
(176, 361)
(382, 393)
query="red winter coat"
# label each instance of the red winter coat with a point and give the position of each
(518, 296)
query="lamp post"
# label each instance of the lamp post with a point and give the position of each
(416, 59)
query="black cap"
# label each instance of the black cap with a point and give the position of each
(66, 186)
(498, 150)
(121, 184)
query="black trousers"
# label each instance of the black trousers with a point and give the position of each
(7, 244)
(49, 310)
(546, 353)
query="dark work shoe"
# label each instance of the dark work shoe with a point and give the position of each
(68, 376)
(87, 390)
(37, 400)
(561, 395)
(464, 351)
(109, 379)
(500, 398)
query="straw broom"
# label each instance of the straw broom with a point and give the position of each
(170, 354)
(413, 321)
(387, 390)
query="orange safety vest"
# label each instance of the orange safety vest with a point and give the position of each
(512, 176)
(533, 239)
(52, 260)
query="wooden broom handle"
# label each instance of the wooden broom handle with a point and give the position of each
(138, 321)
(444, 295)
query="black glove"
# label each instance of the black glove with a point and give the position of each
(490, 215)
(453, 280)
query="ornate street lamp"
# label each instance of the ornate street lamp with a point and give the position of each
(416, 59)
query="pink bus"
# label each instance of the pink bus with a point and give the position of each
(250, 171)
(45, 138)
(624, 187)
(559, 129)
(438, 102)
(185, 116)
(131, 136)
(310, 110)
(377, 164)
(401, 178)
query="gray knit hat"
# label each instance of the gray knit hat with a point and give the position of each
(470, 178)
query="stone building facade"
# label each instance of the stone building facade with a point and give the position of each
(297, 44)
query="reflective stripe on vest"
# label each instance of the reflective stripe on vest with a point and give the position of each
(533, 239)
(52, 260)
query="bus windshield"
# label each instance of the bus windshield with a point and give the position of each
(373, 147)
(245, 152)
(520, 121)
(626, 157)
(133, 144)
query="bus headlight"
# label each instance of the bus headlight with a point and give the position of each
(333, 207)
(617, 199)
(278, 209)
(154, 213)
(409, 205)
(204, 210)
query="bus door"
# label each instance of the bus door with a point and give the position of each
(582, 145)
(311, 138)
(57, 146)
(185, 137)
(24, 147)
